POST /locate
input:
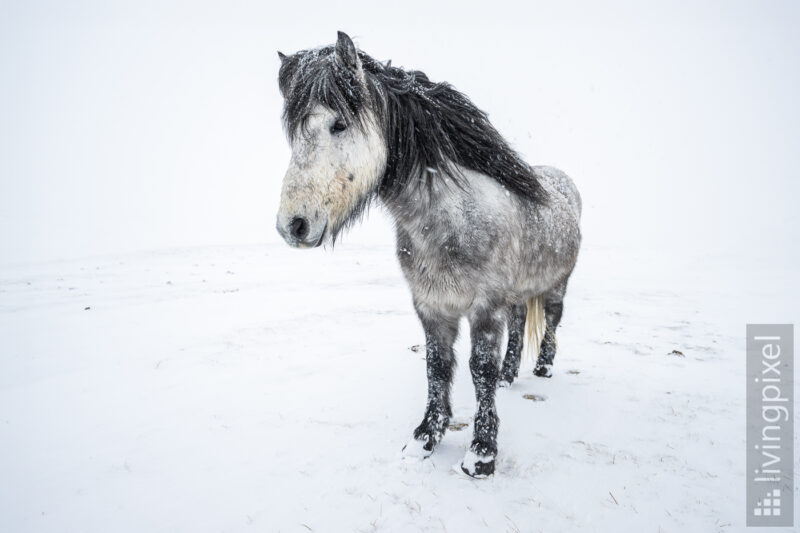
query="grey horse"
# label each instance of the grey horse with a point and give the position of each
(480, 233)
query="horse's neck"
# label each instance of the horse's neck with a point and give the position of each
(417, 208)
(422, 210)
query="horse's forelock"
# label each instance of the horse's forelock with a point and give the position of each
(312, 77)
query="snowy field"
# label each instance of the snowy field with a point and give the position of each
(198, 389)
(262, 388)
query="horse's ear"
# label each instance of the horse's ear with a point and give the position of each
(282, 56)
(346, 53)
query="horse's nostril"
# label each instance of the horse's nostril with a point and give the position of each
(298, 228)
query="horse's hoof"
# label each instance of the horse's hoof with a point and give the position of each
(477, 466)
(543, 371)
(503, 384)
(418, 449)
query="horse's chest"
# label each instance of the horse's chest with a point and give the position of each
(443, 271)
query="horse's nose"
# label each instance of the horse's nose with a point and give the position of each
(298, 228)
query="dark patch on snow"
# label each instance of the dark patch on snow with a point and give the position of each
(534, 397)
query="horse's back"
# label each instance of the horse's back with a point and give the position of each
(562, 185)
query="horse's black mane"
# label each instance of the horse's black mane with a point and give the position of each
(431, 129)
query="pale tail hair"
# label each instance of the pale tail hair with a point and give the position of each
(535, 327)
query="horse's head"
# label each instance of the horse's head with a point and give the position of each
(338, 147)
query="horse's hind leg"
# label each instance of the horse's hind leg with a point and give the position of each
(553, 309)
(440, 334)
(516, 333)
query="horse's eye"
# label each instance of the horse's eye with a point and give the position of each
(338, 126)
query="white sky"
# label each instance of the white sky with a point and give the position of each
(145, 125)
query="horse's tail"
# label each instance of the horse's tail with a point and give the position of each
(534, 328)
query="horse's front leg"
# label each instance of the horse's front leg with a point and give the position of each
(484, 364)
(440, 334)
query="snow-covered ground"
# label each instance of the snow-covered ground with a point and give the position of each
(267, 389)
